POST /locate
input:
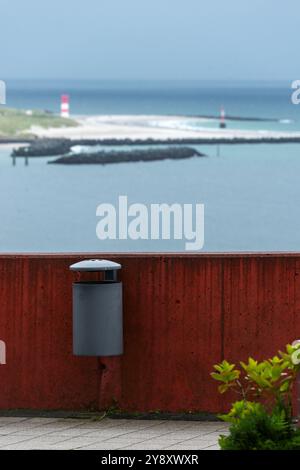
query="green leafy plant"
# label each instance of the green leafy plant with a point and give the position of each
(262, 417)
(261, 430)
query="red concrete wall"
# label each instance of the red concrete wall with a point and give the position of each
(182, 314)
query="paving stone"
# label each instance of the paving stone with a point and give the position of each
(214, 447)
(11, 420)
(106, 434)
(145, 446)
(183, 447)
(101, 446)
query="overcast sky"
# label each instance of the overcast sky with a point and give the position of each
(149, 39)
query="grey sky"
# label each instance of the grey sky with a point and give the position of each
(149, 39)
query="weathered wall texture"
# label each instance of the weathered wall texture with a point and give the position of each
(182, 314)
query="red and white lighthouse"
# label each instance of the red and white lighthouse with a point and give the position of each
(222, 118)
(64, 106)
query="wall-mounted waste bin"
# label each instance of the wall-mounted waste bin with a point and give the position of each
(97, 311)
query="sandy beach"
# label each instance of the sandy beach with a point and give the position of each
(151, 127)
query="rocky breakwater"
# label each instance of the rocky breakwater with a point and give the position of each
(44, 148)
(137, 155)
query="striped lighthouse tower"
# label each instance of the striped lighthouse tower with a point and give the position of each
(64, 106)
(222, 118)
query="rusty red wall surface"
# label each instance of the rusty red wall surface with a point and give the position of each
(182, 314)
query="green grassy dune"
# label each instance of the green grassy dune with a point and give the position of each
(14, 122)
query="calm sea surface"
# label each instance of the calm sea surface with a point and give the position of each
(251, 193)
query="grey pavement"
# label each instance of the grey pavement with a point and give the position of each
(108, 434)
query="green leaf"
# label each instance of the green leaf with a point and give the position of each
(223, 388)
(219, 377)
(285, 386)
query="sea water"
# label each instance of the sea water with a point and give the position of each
(251, 193)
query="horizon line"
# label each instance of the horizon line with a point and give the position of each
(151, 79)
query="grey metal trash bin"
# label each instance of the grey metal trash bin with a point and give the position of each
(97, 311)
